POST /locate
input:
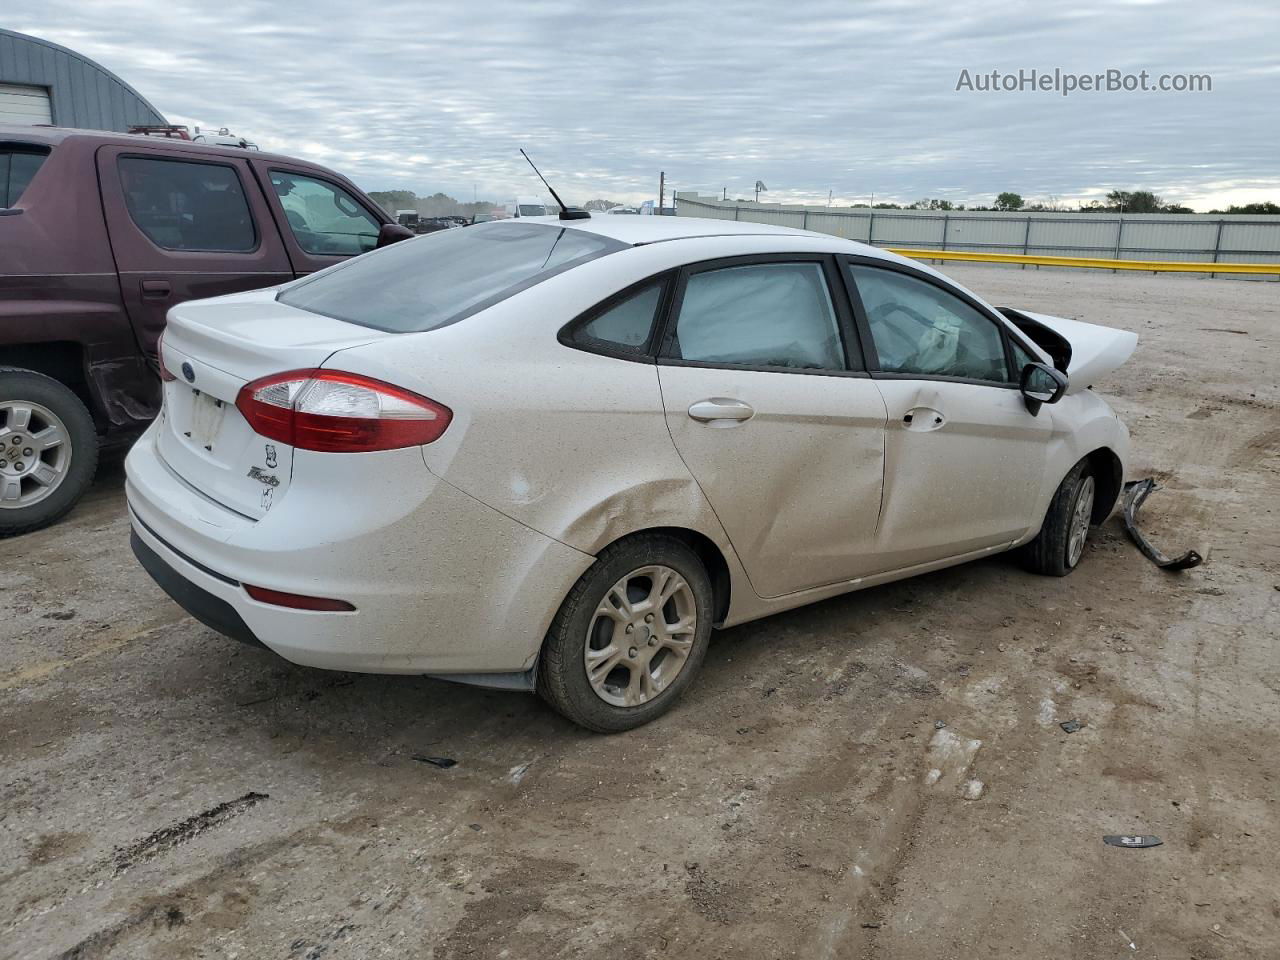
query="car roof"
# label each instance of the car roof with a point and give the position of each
(52, 136)
(640, 230)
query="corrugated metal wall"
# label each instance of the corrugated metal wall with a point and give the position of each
(1201, 238)
(82, 93)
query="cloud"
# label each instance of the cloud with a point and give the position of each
(852, 98)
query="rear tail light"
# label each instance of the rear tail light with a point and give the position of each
(165, 375)
(335, 412)
(297, 601)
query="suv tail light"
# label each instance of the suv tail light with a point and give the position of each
(336, 412)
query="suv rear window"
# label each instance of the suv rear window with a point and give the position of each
(18, 164)
(442, 277)
(187, 205)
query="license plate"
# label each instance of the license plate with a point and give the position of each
(206, 419)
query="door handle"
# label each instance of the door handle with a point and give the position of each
(923, 419)
(156, 289)
(720, 408)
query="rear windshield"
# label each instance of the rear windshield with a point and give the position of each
(437, 279)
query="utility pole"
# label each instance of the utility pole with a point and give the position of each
(662, 189)
(829, 193)
(724, 193)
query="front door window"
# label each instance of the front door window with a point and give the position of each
(325, 219)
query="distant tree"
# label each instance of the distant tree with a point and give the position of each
(1009, 201)
(600, 205)
(1139, 201)
(1251, 208)
(393, 200)
(931, 203)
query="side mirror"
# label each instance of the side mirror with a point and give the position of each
(393, 233)
(1041, 384)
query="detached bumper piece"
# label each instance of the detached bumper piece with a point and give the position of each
(1135, 492)
(213, 612)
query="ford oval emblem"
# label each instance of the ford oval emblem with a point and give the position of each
(189, 372)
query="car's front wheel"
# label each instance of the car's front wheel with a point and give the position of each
(48, 450)
(630, 636)
(1059, 545)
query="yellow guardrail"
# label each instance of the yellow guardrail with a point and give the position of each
(1152, 266)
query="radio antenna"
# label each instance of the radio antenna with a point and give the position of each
(566, 213)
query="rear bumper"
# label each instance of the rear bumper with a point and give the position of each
(441, 583)
(214, 612)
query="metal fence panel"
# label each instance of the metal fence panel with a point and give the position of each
(1178, 238)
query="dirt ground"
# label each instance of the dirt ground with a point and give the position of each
(166, 793)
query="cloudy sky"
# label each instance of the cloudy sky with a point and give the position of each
(850, 97)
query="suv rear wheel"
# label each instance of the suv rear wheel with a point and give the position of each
(48, 450)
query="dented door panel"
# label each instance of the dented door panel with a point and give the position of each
(964, 464)
(796, 483)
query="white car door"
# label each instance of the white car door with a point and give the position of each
(964, 458)
(769, 405)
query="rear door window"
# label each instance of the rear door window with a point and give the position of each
(187, 205)
(324, 218)
(18, 164)
(442, 277)
(763, 315)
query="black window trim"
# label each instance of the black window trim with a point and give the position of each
(864, 326)
(570, 335)
(355, 196)
(850, 335)
(171, 158)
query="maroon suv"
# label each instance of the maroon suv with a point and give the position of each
(100, 234)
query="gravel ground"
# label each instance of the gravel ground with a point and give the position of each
(166, 793)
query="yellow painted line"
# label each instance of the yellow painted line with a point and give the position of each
(39, 671)
(1153, 266)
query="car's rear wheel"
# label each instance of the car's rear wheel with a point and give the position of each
(1059, 545)
(48, 450)
(630, 636)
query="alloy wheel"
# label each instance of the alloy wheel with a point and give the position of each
(640, 636)
(1080, 518)
(35, 453)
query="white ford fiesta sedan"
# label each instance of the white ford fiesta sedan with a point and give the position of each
(552, 453)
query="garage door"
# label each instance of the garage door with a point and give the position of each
(19, 104)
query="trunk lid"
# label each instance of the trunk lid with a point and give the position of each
(213, 348)
(1095, 350)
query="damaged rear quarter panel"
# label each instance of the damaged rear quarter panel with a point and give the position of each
(572, 444)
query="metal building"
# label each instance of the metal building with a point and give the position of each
(42, 82)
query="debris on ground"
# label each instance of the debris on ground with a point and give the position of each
(167, 838)
(1132, 840)
(444, 763)
(948, 758)
(1135, 492)
(973, 790)
(1071, 726)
